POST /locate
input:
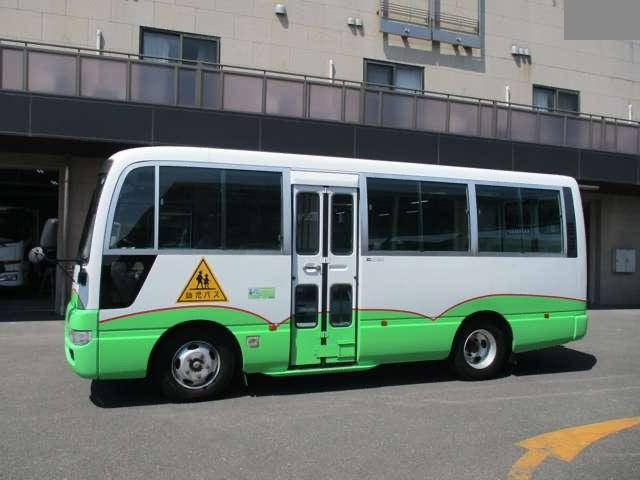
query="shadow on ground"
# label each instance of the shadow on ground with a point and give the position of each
(130, 393)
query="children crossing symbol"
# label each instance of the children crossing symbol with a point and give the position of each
(203, 286)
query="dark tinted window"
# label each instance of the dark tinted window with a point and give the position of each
(551, 99)
(409, 215)
(190, 208)
(200, 208)
(572, 240)
(208, 208)
(160, 45)
(568, 101)
(518, 220)
(341, 224)
(541, 220)
(499, 220)
(253, 210)
(122, 278)
(544, 98)
(340, 305)
(393, 214)
(394, 74)
(168, 46)
(307, 223)
(306, 306)
(87, 231)
(134, 216)
(445, 222)
(199, 50)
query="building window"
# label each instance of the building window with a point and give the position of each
(168, 46)
(552, 99)
(394, 75)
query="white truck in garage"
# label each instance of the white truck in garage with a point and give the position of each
(18, 229)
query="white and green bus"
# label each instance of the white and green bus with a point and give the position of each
(198, 264)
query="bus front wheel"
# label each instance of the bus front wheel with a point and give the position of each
(194, 365)
(480, 351)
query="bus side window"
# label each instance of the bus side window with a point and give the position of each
(122, 278)
(190, 208)
(523, 220)
(307, 223)
(134, 216)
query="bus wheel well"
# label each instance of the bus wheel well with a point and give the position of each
(489, 316)
(209, 326)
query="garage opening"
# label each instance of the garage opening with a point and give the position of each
(28, 198)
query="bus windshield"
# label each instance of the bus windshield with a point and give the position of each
(87, 231)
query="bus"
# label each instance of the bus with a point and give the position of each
(196, 265)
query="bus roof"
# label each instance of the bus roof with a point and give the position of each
(330, 164)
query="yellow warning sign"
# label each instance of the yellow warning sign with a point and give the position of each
(203, 286)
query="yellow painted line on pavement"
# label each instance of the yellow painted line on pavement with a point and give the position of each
(564, 444)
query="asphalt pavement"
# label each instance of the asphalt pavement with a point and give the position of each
(411, 421)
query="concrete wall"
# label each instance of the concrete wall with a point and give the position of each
(606, 73)
(82, 181)
(615, 223)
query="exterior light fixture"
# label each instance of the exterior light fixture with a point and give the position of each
(358, 22)
(280, 9)
(351, 22)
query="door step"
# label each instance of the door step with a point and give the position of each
(320, 370)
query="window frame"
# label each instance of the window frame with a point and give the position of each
(534, 186)
(285, 211)
(556, 92)
(394, 66)
(473, 218)
(181, 36)
(364, 218)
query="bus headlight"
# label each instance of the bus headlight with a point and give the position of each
(79, 337)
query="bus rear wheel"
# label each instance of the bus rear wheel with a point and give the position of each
(479, 351)
(194, 365)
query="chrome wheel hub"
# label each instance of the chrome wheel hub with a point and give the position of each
(196, 364)
(480, 349)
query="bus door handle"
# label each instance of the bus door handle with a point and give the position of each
(312, 266)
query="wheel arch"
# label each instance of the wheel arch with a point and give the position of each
(208, 325)
(486, 316)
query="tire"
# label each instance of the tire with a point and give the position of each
(194, 365)
(479, 351)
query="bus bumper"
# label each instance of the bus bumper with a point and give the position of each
(12, 279)
(580, 326)
(82, 358)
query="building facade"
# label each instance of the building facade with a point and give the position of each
(478, 83)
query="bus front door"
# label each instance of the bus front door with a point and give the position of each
(324, 278)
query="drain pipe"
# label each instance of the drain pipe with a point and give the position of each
(99, 41)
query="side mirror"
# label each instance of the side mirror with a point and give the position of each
(36, 255)
(82, 276)
(49, 236)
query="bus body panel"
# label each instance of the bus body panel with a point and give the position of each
(409, 306)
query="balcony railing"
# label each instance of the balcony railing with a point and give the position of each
(420, 16)
(60, 70)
